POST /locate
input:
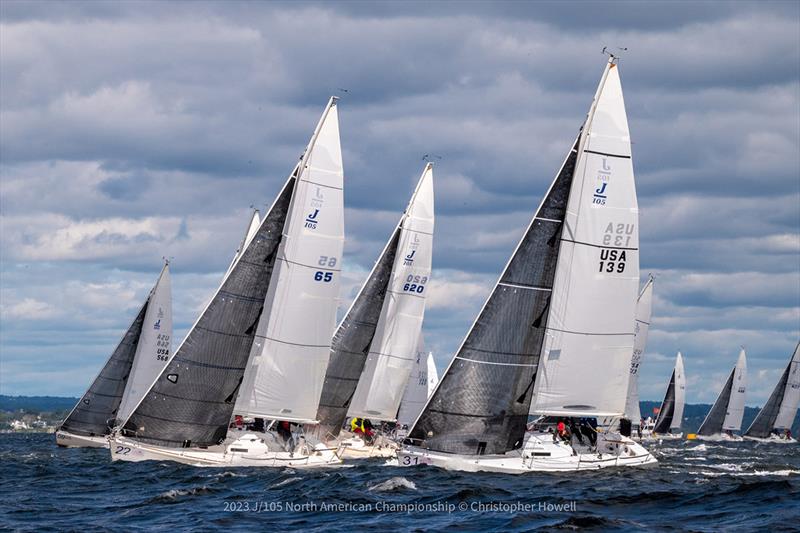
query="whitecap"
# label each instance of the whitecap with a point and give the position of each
(393, 484)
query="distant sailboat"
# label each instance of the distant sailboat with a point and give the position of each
(421, 385)
(644, 306)
(123, 380)
(726, 414)
(555, 336)
(262, 343)
(374, 347)
(670, 414)
(774, 422)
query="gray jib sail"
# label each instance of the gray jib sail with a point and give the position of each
(665, 414)
(765, 419)
(351, 343)
(192, 401)
(95, 412)
(481, 403)
(716, 417)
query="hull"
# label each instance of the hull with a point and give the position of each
(70, 440)
(658, 437)
(773, 439)
(355, 448)
(248, 450)
(539, 454)
(720, 437)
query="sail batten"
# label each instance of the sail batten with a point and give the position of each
(373, 349)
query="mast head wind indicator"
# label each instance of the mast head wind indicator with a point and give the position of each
(429, 157)
(614, 58)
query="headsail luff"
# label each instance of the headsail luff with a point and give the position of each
(290, 353)
(667, 411)
(104, 402)
(392, 351)
(191, 402)
(726, 413)
(370, 320)
(644, 306)
(154, 346)
(481, 402)
(586, 356)
(783, 401)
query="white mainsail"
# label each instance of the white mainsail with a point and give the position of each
(153, 348)
(644, 306)
(287, 363)
(791, 394)
(735, 411)
(586, 356)
(392, 351)
(680, 393)
(421, 383)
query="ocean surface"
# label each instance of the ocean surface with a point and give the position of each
(700, 486)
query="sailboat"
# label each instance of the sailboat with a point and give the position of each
(644, 306)
(726, 414)
(670, 414)
(374, 347)
(774, 422)
(421, 385)
(558, 327)
(252, 228)
(260, 347)
(135, 362)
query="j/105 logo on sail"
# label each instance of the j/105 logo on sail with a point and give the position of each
(316, 204)
(603, 175)
(409, 258)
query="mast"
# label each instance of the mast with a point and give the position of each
(644, 306)
(153, 348)
(287, 362)
(590, 326)
(370, 351)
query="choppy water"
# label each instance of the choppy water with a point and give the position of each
(696, 486)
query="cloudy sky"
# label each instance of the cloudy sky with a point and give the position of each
(134, 131)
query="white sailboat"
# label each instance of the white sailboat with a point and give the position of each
(644, 306)
(260, 348)
(670, 415)
(421, 385)
(137, 360)
(726, 414)
(374, 347)
(774, 422)
(558, 327)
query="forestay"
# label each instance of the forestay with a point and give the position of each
(481, 403)
(153, 349)
(289, 356)
(421, 383)
(192, 400)
(644, 306)
(590, 327)
(392, 350)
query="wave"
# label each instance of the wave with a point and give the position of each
(392, 484)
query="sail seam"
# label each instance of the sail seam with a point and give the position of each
(293, 343)
(588, 333)
(548, 219)
(529, 287)
(317, 267)
(606, 154)
(598, 245)
(322, 184)
(493, 363)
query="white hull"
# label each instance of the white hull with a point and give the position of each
(355, 448)
(720, 437)
(539, 454)
(773, 439)
(658, 437)
(70, 440)
(248, 450)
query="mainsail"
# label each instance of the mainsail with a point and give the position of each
(670, 414)
(153, 349)
(421, 383)
(99, 407)
(372, 349)
(644, 306)
(290, 353)
(779, 411)
(481, 404)
(726, 413)
(192, 401)
(590, 327)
